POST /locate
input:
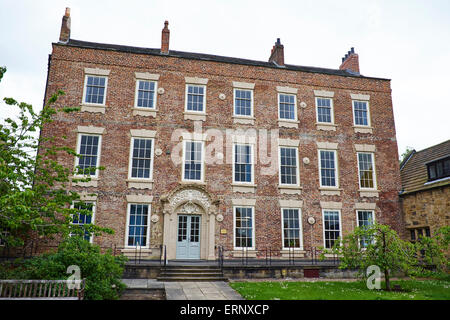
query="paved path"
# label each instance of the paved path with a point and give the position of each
(199, 290)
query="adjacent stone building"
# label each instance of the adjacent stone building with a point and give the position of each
(203, 150)
(425, 194)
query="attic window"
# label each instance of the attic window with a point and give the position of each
(439, 169)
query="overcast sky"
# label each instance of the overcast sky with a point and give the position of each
(406, 41)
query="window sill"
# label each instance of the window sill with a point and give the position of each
(288, 123)
(93, 108)
(363, 129)
(244, 188)
(243, 120)
(251, 253)
(330, 191)
(92, 183)
(369, 193)
(200, 116)
(287, 189)
(325, 126)
(193, 182)
(145, 112)
(140, 183)
(132, 252)
(298, 253)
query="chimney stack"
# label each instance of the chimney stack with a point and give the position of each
(165, 38)
(350, 61)
(277, 54)
(64, 35)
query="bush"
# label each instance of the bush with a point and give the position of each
(102, 271)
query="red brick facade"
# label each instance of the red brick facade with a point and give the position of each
(67, 73)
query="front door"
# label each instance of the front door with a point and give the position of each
(188, 241)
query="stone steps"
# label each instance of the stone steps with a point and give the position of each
(191, 273)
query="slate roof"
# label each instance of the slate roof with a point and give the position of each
(210, 57)
(413, 170)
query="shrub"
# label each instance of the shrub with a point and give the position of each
(102, 271)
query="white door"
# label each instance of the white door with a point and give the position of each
(188, 240)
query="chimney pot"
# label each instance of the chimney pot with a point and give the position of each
(350, 61)
(64, 35)
(277, 53)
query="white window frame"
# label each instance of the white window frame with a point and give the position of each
(368, 113)
(186, 98)
(252, 163)
(77, 159)
(251, 103)
(323, 225)
(295, 107)
(336, 169)
(357, 220)
(300, 224)
(331, 110)
(94, 210)
(374, 175)
(297, 165)
(136, 95)
(253, 228)
(85, 89)
(130, 159)
(147, 245)
(202, 178)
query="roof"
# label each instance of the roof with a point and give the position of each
(210, 57)
(413, 171)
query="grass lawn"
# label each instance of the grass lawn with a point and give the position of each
(338, 290)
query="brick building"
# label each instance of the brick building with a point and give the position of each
(425, 194)
(204, 150)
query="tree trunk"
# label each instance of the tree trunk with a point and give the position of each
(386, 278)
(386, 270)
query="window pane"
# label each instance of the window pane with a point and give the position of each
(193, 161)
(324, 110)
(327, 168)
(88, 154)
(138, 225)
(287, 106)
(146, 94)
(244, 228)
(360, 113)
(288, 165)
(291, 228)
(242, 163)
(81, 218)
(366, 171)
(195, 98)
(331, 227)
(141, 159)
(243, 102)
(95, 89)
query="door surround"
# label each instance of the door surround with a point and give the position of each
(192, 200)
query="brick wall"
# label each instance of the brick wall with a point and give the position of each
(67, 73)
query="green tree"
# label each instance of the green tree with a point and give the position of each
(406, 153)
(435, 250)
(376, 245)
(101, 271)
(34, 187)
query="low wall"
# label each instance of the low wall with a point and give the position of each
(251, 272)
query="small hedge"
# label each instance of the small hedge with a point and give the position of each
(102, 271)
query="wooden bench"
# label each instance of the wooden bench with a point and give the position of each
(40, 290)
